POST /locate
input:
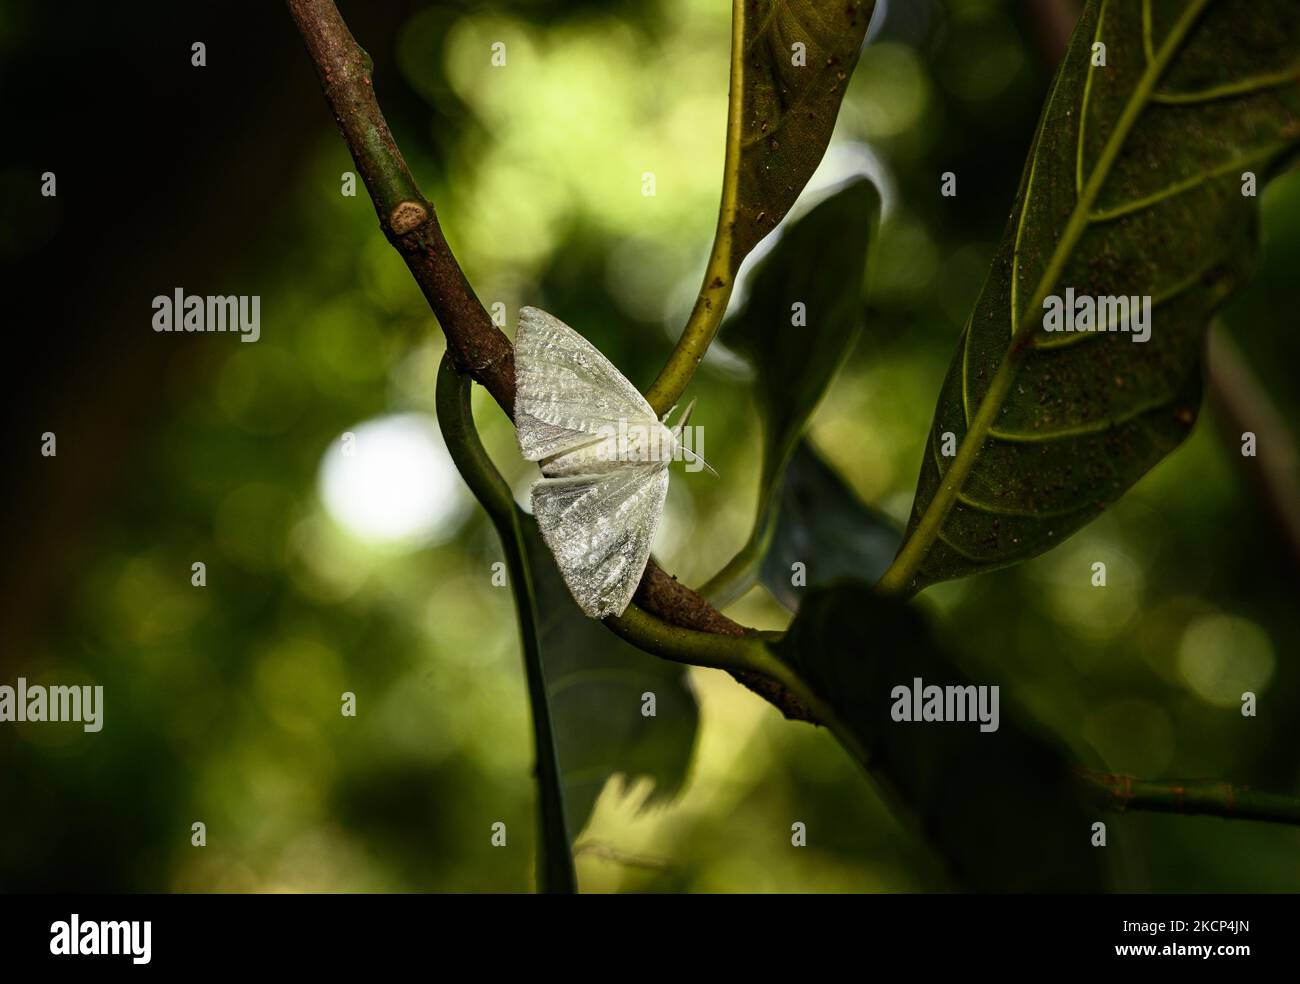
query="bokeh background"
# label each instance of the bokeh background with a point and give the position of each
(223, 702)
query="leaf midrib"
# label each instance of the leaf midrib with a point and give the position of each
(901, 574)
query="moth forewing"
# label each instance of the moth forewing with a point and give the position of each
(563, 384)
(540, 441)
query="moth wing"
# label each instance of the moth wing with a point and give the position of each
(600, 529)
(539, 440)
(566, 392)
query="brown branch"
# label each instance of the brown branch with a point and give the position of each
(477, 346)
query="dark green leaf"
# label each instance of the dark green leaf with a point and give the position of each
(778, 133)
(801, 318)
(1005, 808)
(823, 525)
(817, 266)
(1133, 188)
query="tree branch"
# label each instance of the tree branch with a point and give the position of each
(476, 345)
(1216, 799)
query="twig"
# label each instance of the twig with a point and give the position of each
(1206, 797)
(408, 219)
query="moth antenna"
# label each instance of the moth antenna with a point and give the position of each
(700, 459)
(686, 418)
(677, 437)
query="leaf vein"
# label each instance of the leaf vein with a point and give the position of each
(1242, 87)
(1083, 107)
(1045, 342)
(1082, 429)
(992, 510)
(1148, 45)
(1185, 185)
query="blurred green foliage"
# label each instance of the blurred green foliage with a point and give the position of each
(223, 703)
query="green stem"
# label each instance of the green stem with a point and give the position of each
(737, 577)
(742, 653)
(749, 653)
(742, 571)
(555, 872)
(720, 273)
(701, 327)
(1208, 798)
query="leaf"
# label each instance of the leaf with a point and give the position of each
(1005, 808)
(1133, 187)
(782, 113)
(782, 108)
(823, 525)
(594, 684)
(803, 314)
(798, 324)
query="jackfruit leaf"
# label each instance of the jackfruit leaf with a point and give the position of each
(1138, 186)
(788, 78)
(1005, 808)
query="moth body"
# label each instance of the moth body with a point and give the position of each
(637, 443)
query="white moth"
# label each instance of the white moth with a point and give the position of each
(604, 457)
